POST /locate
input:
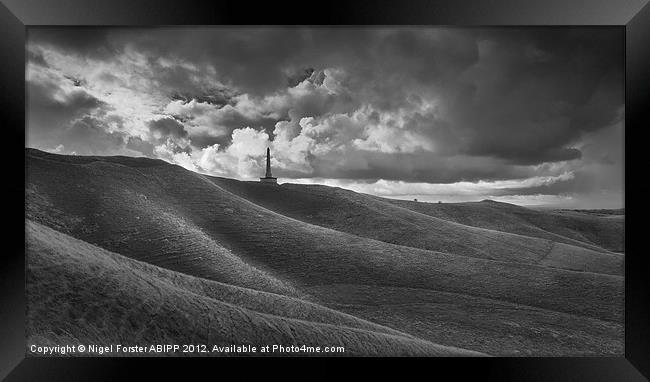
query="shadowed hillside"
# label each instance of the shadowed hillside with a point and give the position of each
(112, 299)
(404, 269)
(124, 208)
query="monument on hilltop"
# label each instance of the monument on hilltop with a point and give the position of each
(268, 178)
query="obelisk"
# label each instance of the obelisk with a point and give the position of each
(268, 178)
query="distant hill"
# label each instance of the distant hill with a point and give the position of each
(491, 285)
(483, 230)
(588, 228)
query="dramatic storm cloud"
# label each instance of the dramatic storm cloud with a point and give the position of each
(525, 115)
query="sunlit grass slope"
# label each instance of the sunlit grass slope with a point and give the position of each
(606, 231)
(393, 222)
(81, 294)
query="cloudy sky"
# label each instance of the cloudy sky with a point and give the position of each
(532, 116)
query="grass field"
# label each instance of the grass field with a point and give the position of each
(484, 230)
(80, 293)
(311, 263)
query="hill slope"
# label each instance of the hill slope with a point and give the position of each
(571, 227)
(218, 230)
(113, 299)
(385, 220)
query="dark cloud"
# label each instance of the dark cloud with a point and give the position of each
(296, 77)
(85, 41)
(217, 97)
(49, 98)
(414, 104)
(535, 92)
(141, 146)
(167, 127)
(36, 58)
(52, 109)
(75, 81)
(408, 167)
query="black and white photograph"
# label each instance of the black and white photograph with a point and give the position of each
(325, 191)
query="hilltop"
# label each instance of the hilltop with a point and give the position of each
(436, 279)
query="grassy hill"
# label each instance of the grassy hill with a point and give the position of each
(499, 238)
(576, 227)
(79, 294)
(449, 283)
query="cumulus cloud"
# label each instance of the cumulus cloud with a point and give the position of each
(367, 105)
(171, 152)
(243, 158)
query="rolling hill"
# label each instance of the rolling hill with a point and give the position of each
(405, 276)
(500, 238)
(111, 299)
(580, 228)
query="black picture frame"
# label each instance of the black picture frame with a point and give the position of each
(633, 15)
